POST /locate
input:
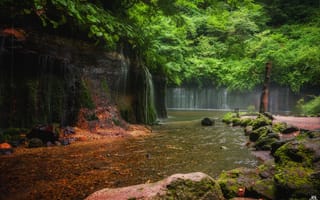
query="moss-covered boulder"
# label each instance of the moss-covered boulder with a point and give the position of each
(297, 169)
(229, 117)
(257, 133)
(191, 186)
(279, 127)
(190, 189)
(260, 121)
(265, 143)
(251, 181)
(245, 121)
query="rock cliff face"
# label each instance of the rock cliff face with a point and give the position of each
(49, 79)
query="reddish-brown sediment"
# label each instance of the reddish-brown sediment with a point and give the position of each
(308, 123)
(65, 172)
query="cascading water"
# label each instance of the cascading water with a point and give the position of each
(149, 97)
(121, 84)
(281, 99)
(225, 99)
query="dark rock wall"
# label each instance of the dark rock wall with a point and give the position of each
(48, 79)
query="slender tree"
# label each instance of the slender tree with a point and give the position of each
(265, 90)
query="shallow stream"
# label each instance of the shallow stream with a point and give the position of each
(181, 145)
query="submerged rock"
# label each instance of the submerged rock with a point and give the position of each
(179, 186)
(207, 122)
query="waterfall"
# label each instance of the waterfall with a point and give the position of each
(149, 97)
(121, 84)
(225, 99)
(282, 99)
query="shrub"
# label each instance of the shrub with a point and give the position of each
(311, 107)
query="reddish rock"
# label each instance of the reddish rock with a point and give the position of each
(5, 148)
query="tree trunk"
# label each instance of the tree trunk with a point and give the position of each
(265, 90)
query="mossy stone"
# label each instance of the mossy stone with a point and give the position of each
(257, 133)
(265, 143)
(256, 187)
(260, 122)
(187, 189)
(279, 127)
(297, 169)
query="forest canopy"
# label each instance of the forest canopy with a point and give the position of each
(218, 42)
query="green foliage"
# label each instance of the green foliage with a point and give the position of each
(293, 50)
(12, 134)
(311, 107)
(222, 43)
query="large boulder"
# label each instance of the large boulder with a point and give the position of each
(297, 173)
(46, 133)
(257, 133)
(260, 121)
(245, 182)
(179, 186)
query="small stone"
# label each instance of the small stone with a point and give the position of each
(290, 129)
(49, 144)
(35, 143)
(224, 147)
(207, 122)
(6, 149)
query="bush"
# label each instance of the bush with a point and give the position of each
(311, 107)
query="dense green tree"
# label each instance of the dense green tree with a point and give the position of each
(224, 43)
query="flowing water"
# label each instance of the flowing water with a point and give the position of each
(181, 145)
(281, 99)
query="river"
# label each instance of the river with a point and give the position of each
(181, 145)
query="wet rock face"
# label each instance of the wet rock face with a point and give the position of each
(52, 78)
(179, 186)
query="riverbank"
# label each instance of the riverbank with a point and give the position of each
(77, 170)
(64, 172)
(308, 123)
